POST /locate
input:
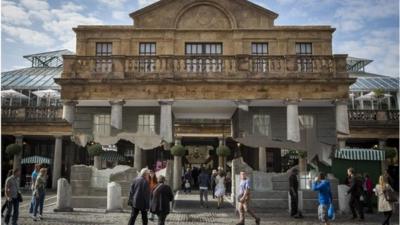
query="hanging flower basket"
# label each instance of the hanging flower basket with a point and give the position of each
(13, 149)
(302, 154)
(223, 151)
(95, 150)
(178, 150)
(390, 153)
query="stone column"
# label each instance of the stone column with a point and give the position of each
(69, 110)
(116, 113)
(166, 121)
(177, 173)
(292, 119)
(384, 163)
(342, 117)
(221, 159)
(18, 157)
(262, 159)
(57, 160)
(137, 158)
(97, 162)
(64, 196)
(341, 143)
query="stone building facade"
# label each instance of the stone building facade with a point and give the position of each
(207, 73)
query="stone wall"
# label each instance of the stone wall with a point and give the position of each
(89, 185)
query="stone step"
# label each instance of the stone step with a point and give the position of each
(269, 204)
(269, 194)
(97, 202)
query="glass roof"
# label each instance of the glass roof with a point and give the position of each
(373, 83)
(31, 78)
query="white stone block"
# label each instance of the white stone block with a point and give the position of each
(344, 199)
(64, 195)
(114, 198)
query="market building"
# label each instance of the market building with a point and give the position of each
(205, 74)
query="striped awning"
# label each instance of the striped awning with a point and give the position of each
(36, 160)
(360, 154)
(112, 156)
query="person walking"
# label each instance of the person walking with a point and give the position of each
(34, 175)
(4, 206)
(294, 196)
(323, 186)
(12, 197)
(356, 189)
(213, 182)
(384, 206)
(228, 182)
(139, 197)
(244, 200)
(187, 180)
(39, 192)
(368, 191)
(220, 188)
(204, 183)
(152, 184)
(161, 196)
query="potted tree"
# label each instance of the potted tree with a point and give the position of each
(95, 151)
(14, 150)
(177, 151)
(222, 152)
(302, 161)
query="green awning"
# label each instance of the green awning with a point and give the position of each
(112, 156)
(36, 160)
(360, 154)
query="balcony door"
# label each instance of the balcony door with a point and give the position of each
(203, 57)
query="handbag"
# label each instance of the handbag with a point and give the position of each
(390, 195)
(331, 212)
(19, 197)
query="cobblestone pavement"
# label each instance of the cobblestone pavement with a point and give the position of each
(187, 211)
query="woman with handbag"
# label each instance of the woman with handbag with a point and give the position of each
(39, 193)
(383, 191)
(323, 186)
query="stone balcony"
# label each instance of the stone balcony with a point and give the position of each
(31, 114)
(224, 67)
(371, 118)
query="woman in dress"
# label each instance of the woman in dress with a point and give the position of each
(220, 188)
(383, 205)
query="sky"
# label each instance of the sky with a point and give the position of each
(364, 28)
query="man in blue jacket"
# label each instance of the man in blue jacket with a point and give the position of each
(204, 184)
(139, 197)
(322, 185)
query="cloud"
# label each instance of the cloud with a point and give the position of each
(144, 3)
(113, 3)
(11, 13)
(28, 36)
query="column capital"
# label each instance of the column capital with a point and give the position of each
(292, 101)
(69, 102)
(166, 101)
(243, 104)
(58, 136)
(341, 101)
(117, 102)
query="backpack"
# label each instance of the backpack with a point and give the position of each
(390, 195)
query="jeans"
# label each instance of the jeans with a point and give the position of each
(355, 205)
(32, 205)
(12, 206)
(39, 201)
(294, 199)
(203, 193)
(135, 213)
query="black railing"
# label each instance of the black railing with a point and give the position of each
(40, 114)
(374, 115)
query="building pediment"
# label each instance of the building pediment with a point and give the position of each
(204, 14)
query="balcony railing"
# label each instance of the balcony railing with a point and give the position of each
(377, 116)
(31, 114)
(204, 67)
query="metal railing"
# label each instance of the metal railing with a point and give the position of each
(206, 67)
(40, 114)
(373, 115)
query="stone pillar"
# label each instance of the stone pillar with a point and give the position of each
(18, 157)
(177, 173)
(69, 111)
(137, 158)
(384, 163)
(292, 118)
(221, 159)
(166, 121)
(64, 196)
(342, 117)
(116, 113)
(341, 143)
(114, 197)
(97, 162)
(262, 159)
(57, 160)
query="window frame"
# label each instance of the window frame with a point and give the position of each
(102, 128)
(147, 63)
(259, 63)
(204, 49)
(103, 64)
(146, 128)
(266, 130)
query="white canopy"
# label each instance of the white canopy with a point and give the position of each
(12, 94)
(369, 96)
(47, 94)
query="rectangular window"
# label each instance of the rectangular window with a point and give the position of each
(146, 124)
(203, 57)
(306, 121)
(102, 125)
(304, 64)
(259, 62)
(147, 62)
(103, 51)
(261, 124)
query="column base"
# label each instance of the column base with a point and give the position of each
(67, 209)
